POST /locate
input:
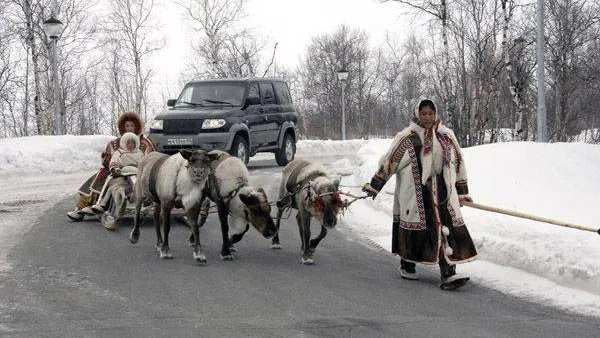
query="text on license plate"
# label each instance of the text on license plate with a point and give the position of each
(179, 141)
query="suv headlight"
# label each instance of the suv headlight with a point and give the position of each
(213, 123)
(156, 125)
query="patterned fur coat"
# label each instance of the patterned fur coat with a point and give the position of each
(430, 177)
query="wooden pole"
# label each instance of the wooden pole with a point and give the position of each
(531, 217)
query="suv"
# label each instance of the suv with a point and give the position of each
(241, 116)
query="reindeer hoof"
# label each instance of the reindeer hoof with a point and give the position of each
(276, 246)
(200, 258)
(165, 254)
(134, 237)
(307, 261)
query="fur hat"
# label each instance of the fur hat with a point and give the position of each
(127, 137)
(130, 116)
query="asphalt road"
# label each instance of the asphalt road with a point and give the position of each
(80, 280)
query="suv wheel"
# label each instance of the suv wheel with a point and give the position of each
(240, 149)
(286, 154)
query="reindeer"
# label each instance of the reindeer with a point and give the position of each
(228, 187)
(307, 188)
(171, 181)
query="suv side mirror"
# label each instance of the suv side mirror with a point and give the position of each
(171, 103)
(250, 101)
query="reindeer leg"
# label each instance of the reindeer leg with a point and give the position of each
(315, 241)
(303, 219)
(204, 209)
(275, 245)
(134, 235)
(225, 249)
(192, 216)
(157, 224)
(165, 252)
(237, 237)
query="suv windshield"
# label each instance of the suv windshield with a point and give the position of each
(212, 94)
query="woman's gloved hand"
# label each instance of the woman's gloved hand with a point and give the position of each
(464, 198)
(371, 192)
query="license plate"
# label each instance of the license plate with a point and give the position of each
(180, 141)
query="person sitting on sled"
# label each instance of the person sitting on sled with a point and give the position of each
(89, 192)
(125, 159)
(431, 183)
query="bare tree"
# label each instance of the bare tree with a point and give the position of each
(77, 58)
(325, 56)
(225, 47)
(570, 23)
(439, 10)
(26, 25)
(7, 109)
(518, 68)
(478, 68)
(27, 15)
(404, 78)
(131, 23)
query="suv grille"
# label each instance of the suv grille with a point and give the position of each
(180, 127)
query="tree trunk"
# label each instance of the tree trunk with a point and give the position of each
(516, 91)
(30, 41)
(446, 70)
(25, 112)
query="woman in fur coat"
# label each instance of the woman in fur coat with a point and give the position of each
(90, 190)
(431, 183)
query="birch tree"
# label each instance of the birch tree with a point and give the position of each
(475, 31)
(27, 17)
(569, 24)
(8, 118)
(224, 46)
(516, 88)
(518, 67)
(404, 78)
(326, 55)
(439, 10)
(131, 24)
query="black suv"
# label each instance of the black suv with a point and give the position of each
(241, 116)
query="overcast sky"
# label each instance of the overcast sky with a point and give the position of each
(291, 23)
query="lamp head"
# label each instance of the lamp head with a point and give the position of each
(53, 27)
(342, 74)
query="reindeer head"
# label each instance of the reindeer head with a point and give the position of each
(258, 211)
(324, 200)
(198, 164)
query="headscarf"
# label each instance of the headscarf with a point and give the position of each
(433, 147)
(422, 103)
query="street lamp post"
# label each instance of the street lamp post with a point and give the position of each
(542, 128)
(53, 28)
(342, 75)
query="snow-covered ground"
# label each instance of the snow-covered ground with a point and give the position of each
(541, 262)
